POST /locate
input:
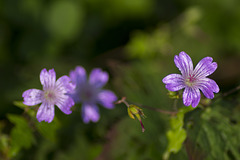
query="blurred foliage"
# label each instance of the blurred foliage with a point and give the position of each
(215, 134)
(135, 41)
(21, 135)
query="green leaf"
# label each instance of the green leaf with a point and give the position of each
(4, 142)
(177, 134)
(48, 130)
(21, 135)
(20, 104)
(176, 138)
(214, 134)
(26, 108)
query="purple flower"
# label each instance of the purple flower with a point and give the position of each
(90, 92)
(53, 93)
(192, 79)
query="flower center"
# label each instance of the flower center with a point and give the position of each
(49, 96)
(190, 80)
(89, 93)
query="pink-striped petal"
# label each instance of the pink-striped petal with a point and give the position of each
(65, 103)
(32, 97)
(191, 96)
(205, 67)
(174, 82)
(208, 86)
(184, 63)
(48, 78)
(63, 85)
(45, 112)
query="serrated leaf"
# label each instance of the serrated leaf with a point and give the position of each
(176, 139)
(215, 135)
(177, 134)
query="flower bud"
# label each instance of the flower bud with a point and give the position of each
(135, 111)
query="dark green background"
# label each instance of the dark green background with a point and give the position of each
(135, 42)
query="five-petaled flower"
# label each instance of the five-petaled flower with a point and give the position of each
(90, 92)
(192, 79)
(53, 93)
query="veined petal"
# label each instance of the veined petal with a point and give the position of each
(98, 78)
(78, 76)
(65, 103)
(48, 78)
(208, 86)
(196, 97)
(32, 97)
(173, 78)
(184, 63)
(174, 82)
(207, 92)
(43, 75)
(191, 96)
(45, 112)
(205, 67)
(107, 98)
(63, 85)
(174, 87)
(187, 96)
(90, 112)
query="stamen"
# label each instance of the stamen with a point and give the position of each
(190, 80)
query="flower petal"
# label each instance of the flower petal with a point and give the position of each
(48, 78)
(191, 96)
(75, 95)
(107, 98)
(98, 78)
(196, 97)
(63, 85)
(78, 76)
(90, 112)
(45, 112)
(208, 86)
(205, 67)
(187, 96)
(65, 103)
(32, 97)
(184, 63)
(174, 82)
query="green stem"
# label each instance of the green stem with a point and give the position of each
(123, 100)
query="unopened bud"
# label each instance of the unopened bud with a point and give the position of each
(173, 95)
(135, 111)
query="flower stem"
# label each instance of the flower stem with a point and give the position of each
(123, 100)
(143, 129)
(160, 110)
(231, 91)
